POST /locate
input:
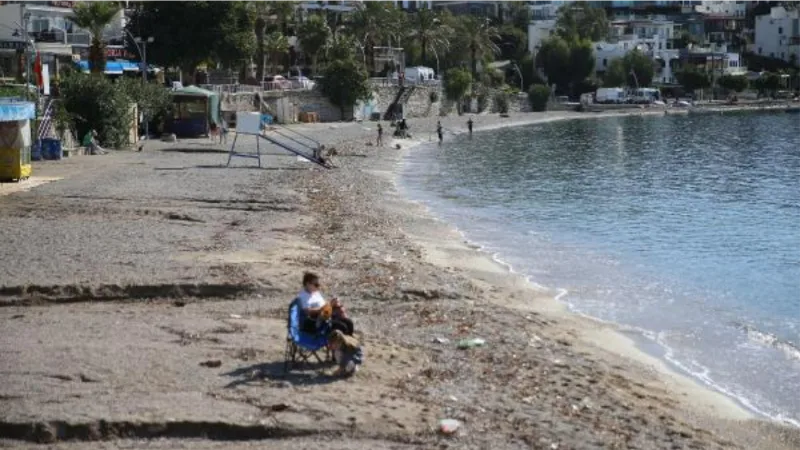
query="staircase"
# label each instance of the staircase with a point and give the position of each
(46, 122)
(400, 99)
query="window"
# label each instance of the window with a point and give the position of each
(759, 50)
(780, 30)
(605, 62)
(659, 45)
(771, 54)
(783, 55)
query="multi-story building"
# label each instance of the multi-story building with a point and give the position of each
(50, 34)
(478, 8)
(656, 47)
(544, 10)
(652, 28)
(777, 34)
(538, 32)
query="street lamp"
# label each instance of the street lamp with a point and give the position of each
(141, 47)
(521, 81)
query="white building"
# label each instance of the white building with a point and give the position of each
(656, 48)
(543, 10)
(778, 34)
(633, 29)
(538, 32)
(49, 32)
(723, 8)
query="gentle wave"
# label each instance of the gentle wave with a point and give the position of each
(790, 349)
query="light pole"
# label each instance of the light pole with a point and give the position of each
(141, 47)
(521, 81)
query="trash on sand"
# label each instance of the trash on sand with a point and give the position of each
(441, 340)
(449, 426)
(470, 343)
(211, 363)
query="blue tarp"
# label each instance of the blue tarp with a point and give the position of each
(15, 111)
(114, 67)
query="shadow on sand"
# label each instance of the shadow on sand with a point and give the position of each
(305, 375)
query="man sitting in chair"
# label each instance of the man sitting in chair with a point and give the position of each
(317, 311)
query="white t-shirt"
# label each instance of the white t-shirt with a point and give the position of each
(309, 300)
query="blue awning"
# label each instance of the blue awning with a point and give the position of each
(15, 111)
(112, 67)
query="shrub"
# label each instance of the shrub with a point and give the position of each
(434, 96)
(457, 83)
(151, 98)
(501, 101)
(538, 95)
(94, 102)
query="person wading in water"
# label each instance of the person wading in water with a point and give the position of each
(439, 132)
(469, 126)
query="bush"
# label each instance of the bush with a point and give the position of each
(151, 98)
(434, 96)
(501, 101)
(457, 83)
(736, 83)
(94, 102)
(538, 95)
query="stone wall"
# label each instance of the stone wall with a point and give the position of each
(286, 106)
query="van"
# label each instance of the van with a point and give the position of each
(610, 95)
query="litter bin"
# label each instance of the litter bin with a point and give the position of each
(51, 149)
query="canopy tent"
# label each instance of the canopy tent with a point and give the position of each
(15, 139)
(194, 111)
(15, 111)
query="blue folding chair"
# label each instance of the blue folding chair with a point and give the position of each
(300, 345)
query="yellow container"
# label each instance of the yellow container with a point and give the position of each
(15, 163)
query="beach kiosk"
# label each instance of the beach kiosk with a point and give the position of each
(194, 111)
(15, 139)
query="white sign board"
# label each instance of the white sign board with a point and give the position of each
(46, 79)
(248, 122)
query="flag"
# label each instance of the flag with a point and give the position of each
(37, 69)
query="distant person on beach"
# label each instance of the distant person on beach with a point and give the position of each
(439, 131)
(380, 136)
(313, 304)
(469, 126)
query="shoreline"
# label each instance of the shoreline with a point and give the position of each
(629, 345)
(166, 326)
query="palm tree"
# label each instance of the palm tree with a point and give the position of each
(480, 36)
(375, 23)
(266, 12)
(430, 31)
(275, 44)
(94, 17)
(314, 35)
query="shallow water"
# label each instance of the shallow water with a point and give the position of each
(683, 229)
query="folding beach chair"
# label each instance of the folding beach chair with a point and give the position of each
(301, 346)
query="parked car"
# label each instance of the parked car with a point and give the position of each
(276, 82)
(302, 82)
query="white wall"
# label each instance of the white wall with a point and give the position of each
(723, 8)
(539, 31)
(774, 32)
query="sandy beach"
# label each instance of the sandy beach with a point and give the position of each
(144, 299)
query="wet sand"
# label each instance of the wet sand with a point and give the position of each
(127, 276)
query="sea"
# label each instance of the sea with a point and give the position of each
(683, 230)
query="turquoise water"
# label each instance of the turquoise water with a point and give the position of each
(685, 230)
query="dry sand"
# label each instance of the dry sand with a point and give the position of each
(126, 275)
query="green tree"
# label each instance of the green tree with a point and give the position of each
(693, 79)
(527, 66)
(554, 60)
(94, 17)
(538, 95)
(616, 75)
(581, 61)
(189, 33)
(375, 23)
(457, 82)
(236, 44)
(582, 20)
(152, 99)
(639, 67)
(97, 103)
(266, 12)
(736, 83)
(479, 37)
(275, 46)
(342, 46)
(345, 82)
(768, 83)
(431, 33)
(314, 35)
